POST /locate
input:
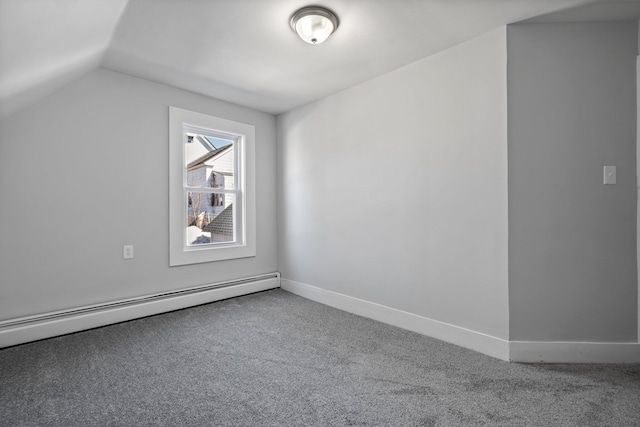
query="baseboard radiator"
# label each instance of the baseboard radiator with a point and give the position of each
(47, 325)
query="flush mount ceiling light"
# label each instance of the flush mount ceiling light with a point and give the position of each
(314, 24)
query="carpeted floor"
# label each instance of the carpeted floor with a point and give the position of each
(276, 359)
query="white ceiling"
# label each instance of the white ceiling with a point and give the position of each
(244, 51)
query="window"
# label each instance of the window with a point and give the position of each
(211, 188)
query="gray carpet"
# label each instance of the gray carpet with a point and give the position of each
(275, 359)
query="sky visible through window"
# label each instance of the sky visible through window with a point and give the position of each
(218, 142)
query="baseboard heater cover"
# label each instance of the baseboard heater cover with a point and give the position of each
(47, 325)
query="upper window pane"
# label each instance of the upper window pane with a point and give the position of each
(210, 161)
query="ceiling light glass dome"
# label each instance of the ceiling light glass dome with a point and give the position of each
(314, 24)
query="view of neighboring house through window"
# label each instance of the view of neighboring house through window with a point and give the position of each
(211, 188)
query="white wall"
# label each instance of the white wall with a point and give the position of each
(638, 175)
(432, 241)
(101, 146)
(572, 240)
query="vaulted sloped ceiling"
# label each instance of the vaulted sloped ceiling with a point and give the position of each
(46, 44)
(244, 51)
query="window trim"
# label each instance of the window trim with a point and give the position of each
(180, 122)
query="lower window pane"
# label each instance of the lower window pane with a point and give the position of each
(210, 218)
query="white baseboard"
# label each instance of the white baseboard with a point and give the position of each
(573, 352)
(477, 341)
(32, 328)
(514, 351)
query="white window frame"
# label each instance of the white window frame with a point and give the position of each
(180, 122)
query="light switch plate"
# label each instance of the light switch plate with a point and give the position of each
(609, 175)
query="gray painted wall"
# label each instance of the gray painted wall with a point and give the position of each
(84, 172)
(572, 240)
(395, 191)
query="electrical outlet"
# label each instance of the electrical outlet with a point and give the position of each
(127, 252)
